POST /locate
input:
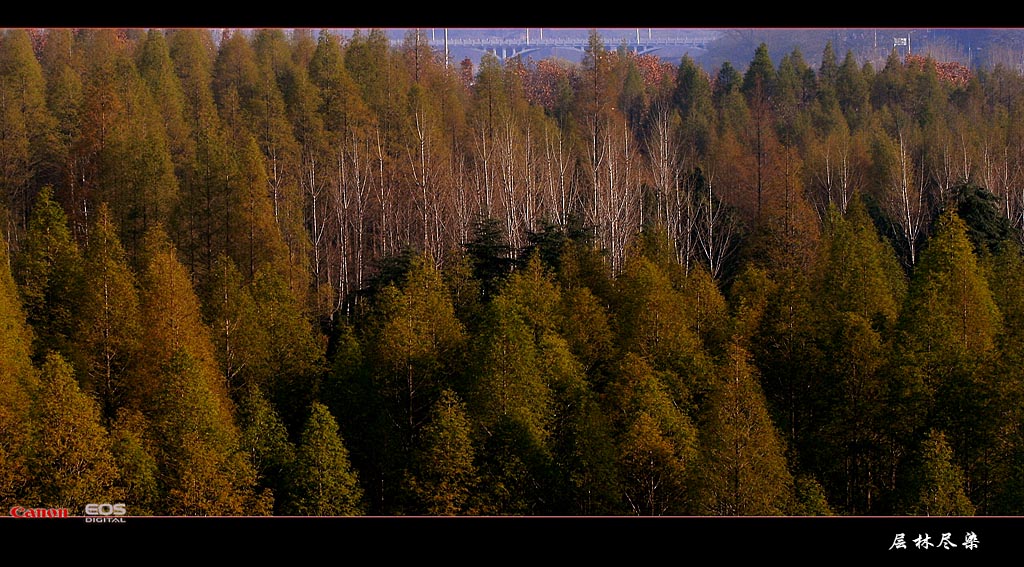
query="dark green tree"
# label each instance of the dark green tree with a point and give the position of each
(49, 274)
(657, 443)
(828, 76)
(761, 76)
(72, 464)
(693, 97)
(444, 477)
(743, 468)
(27, 146)
(949, 330)
(938, 483)
(139, 480)
(18, 383)
(107, 320)
(986, 227)
(490, 255)
(727, 81)
(853, 92)
(265, 439)
(323, 482)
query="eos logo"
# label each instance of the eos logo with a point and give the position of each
(105, 510)
(102, 513)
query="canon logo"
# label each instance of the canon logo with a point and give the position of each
(21, 512)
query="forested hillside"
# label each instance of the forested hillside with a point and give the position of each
(296, 274)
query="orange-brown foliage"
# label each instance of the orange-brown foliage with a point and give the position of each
(948, 71)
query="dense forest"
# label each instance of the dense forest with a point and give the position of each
(300, 274)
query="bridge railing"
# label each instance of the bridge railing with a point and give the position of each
(564, 42)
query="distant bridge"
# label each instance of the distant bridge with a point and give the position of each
(641, 42)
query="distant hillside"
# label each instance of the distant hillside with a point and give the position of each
(611, 37)
(972, 47)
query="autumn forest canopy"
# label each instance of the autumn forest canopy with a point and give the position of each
(301, 274)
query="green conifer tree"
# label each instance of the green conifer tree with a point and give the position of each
(265, 439)
(657, 442)
(107, 320)
(444, 475)
(139, 481)
(291, 361)
(938, 482)
(203, 469)
(323, 482)
(27, 145)
(156, 69)
(948, 331)
(72, 464)
(743, 466)
(49, 273)
(18, 383)
(653, 320)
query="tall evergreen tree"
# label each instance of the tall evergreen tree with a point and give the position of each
(29, 130)
(49, 273)
(743, 466)
(828, 76)
(198, 220)
(156, 69)
(949, 331)
(444, 477)
(72, 464)
(60, 58)
(653, 321)
(265, 439)
(323, 482)
(18, 383)
(203, 470)
(240, 341)
(124, 144)
(759, 86)
(938, 483)
(107, 321)
(413, 336)
(860, 273)
(247, 78)
(510, 400)
(950, 312)
(853, 92)
(1007, 282)
(133, 451)
(291, 361)
(657, 443)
